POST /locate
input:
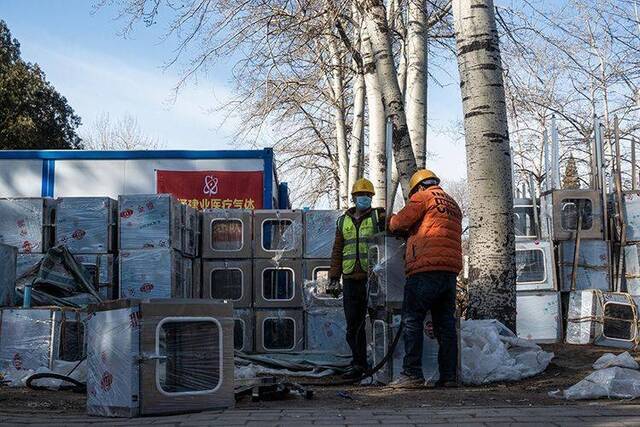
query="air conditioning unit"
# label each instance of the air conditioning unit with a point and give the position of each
(151, 273)
(103, 271)
(319, 232)
(26, 223)
(279, 330)
(384, 333)
(229, 280)
(535, 266)
(277, 284)
(326, 329)
(190, 231)
(524, 218)
(32, 338)
(316, 282)
(278, 233)
(8, 261)
(386, 272)
(86, 225)
(592, 267)
(539, 316)
(243, 329)
(150, 221)
(559, 214)
(227, 233)
(602, 318)
(158, 356)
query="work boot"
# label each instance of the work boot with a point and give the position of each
(354, 373)
(446, 384)
(407, 382)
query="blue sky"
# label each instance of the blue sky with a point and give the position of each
(99, 71)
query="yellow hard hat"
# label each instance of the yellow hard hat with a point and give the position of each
(363, 185)
(420, 176)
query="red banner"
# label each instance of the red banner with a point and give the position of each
(213, 189)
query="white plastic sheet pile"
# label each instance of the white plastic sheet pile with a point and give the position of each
(491, 353)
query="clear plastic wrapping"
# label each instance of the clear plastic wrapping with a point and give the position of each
(227, 233)
(278, 234)
(150, 221)
(279, 330)
(593, 265)
(319, 232)
(35, 338)
(86, 225)
(155, 357)
(151, 273)
(326, 329)
(539, 317)
(8, 260)
(632, 269)
(602, 318)
(386, 271)
(243, 330)
(102, 269)
(24, 223)
(631, 207)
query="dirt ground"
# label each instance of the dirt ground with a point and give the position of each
(571, 364)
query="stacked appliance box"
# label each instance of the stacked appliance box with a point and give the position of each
(87, 227)
(153, 249)
(26, 223)
(277, 280)
(227, 268)
(148, 357)
(325, 324)
(631, 211)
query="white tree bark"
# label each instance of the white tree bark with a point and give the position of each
(416, 91)
(492, 290)
(376, 125)
(337, 87)
(378, 29)
(356, 155)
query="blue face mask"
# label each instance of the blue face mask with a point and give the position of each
(363, 202)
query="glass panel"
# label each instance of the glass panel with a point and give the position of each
(569, 214)
(618, 321)
(226, 284)
(530, 266)
(192, 351)
(226, 234)
(71, 341)
(279, 334)
(523, 221)
(238, 334)
(275, 235)
(277, 284)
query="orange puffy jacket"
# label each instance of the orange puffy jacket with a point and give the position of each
(433, 221)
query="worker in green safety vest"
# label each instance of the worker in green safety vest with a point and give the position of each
(349, 261)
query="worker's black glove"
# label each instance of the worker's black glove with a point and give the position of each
(335, 288)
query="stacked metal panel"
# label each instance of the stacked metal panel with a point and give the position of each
(631, 211)
(159, 356)
(319, 233)
(8, 261)
(156, 246)
(592, 270)
(26, 223)
(539, 316)
(279, 330)
(277, 283)
(560, 212)
(228, 279)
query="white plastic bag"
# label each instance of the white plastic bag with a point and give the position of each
(615, 382)
(623, 360)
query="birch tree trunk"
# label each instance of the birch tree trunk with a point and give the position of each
(378, 29)
(492, 290)
(416, 91)
(376, 125)
(337, 87)
(356, 156)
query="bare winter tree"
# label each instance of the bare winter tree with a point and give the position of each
(121, 134)
(492, 291)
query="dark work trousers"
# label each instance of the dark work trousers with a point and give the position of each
(355, 312)
(433, 291)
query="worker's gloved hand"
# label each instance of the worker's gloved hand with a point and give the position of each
(335, 288)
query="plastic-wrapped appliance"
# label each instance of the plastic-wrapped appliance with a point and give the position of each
(159, 356)
(86, 225)
(279, 330)
(631, 209)
(535, 266)
(151, 273)
(559, 214)
(190, 231)
(278, 233)
(32, 338)
(592, 267)
(632, 269)
(227, 233)
(149, 221)
(26, 223)
(603, 318)
(316, 283)
(319, 232)
(103, 270)
(539, 316)
(8, 262)
(386, 271)
(243, 329)
(326, 329)
(277, 284)
(229, 280)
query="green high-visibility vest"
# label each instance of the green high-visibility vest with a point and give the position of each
(356, 241)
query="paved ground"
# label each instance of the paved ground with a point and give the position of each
(601, 413)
